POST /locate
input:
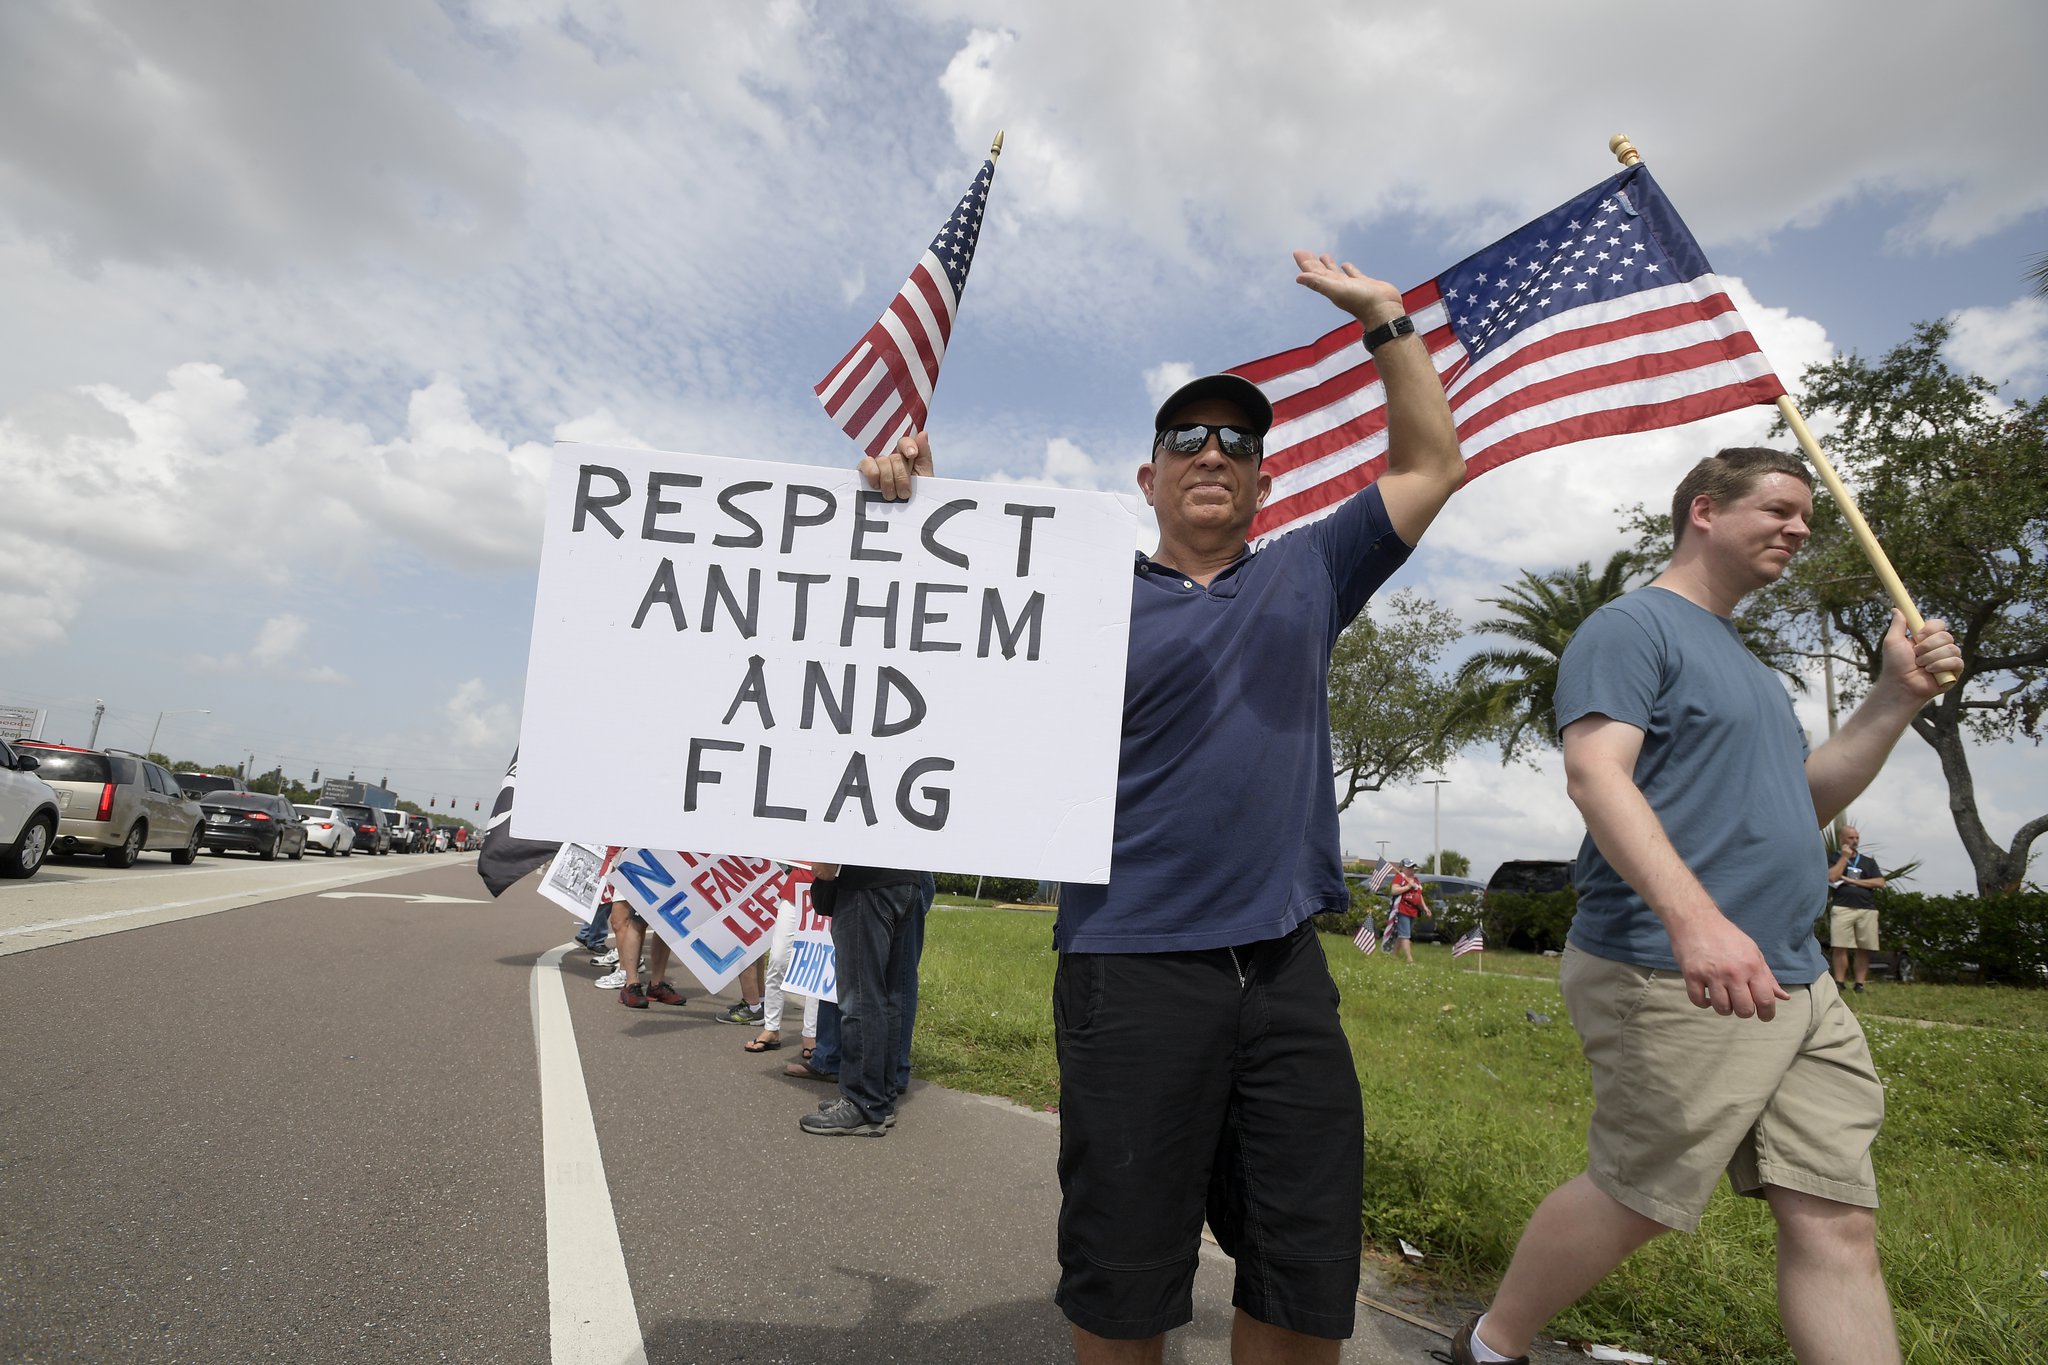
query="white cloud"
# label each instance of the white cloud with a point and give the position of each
(278, 650)
(478, 724)
(1162, 379)
(1315, 115)
(2007, 345)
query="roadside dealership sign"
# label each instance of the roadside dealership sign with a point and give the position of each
(20, 722)
(770, 658)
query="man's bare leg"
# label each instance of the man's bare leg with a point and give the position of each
(1261, 1343)
(1577, 1235)
(657, 959)
(632, 933)
(754, 981)
(1090, 1349)
(1841, 965)
(1862, 965)
(1831, 1295)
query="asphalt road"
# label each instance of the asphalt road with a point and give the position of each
(385, 1121)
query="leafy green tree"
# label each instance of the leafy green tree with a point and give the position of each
(1508, 692)
(1955, 482)
(1390, 704)
(1453, 864)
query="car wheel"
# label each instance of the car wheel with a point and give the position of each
(349, 852)
(28, 852)
(189, 854)
(130, 849)
(300, 851)
(268, 853)
(217, 850)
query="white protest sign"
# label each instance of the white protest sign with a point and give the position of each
(716, 911)
(575, 879)
(767, 657)
(813, 965)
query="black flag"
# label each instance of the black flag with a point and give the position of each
(504, 859)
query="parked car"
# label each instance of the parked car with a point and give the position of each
(203, 785)
(116, 804)
(1530, 877)
(265, 825)
(28, 814)
(372, 835)
(328, 830)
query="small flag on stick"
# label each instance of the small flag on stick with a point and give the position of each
(1367, 939)
(1472, 941)
(882, 389)
(1601, 317)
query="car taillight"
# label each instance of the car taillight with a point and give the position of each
(326, 825)
(366, 829)
(106, 810)
(256, 815)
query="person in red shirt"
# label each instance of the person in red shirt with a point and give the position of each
(1408, 903)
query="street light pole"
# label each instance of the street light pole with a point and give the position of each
(1436, 864)
(150, 747)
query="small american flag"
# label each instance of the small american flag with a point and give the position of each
(1471, 941)
(1379, 876)
(1601, 317)
(1368, 942)
(882, 389)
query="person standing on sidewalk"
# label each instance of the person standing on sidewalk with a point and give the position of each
(1204, 1072)
(1691, 965)
(877, 918)
(1853, 880)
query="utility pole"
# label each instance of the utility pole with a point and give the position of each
(99, 708)
(1436, 863)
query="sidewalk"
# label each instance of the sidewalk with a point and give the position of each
(748, 1240)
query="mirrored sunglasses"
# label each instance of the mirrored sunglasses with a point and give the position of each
(1188, 438)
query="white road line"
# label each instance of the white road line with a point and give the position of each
(592, 1318)
(269, 892)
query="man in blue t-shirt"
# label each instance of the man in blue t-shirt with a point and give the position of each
(1204, 1073)
(1690, 965)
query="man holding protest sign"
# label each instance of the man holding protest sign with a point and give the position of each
(1204, 1072)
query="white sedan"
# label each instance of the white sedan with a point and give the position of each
(328, 830)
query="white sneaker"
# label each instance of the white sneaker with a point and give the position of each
(607, 958)
(611, 982)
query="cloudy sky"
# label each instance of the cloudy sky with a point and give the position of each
(299, 296)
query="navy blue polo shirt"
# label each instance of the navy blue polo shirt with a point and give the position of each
(1226, 806)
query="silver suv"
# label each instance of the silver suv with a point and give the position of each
(116, 804)
(28, 814)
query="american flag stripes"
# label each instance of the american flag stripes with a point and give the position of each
(882, 389)
(1380, 875)
(1602, 317)
(1471, 941)
(1367, 940)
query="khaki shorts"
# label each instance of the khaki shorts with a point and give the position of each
(1853, 927)
(1681, 1093)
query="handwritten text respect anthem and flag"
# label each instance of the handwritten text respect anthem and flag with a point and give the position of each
(772, 658)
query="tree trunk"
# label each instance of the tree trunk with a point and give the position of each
(1997, 869)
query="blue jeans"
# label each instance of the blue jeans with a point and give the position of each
(894, 1015)
(593, 934)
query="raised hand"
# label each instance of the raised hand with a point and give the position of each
(1369, 300)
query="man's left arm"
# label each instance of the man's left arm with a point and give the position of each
(1424, 466)
(1838, 771)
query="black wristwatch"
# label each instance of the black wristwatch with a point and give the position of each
(1397, 327)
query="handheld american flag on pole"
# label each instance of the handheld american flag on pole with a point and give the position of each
(882, 389)
(1601, 317)
(1380, 875)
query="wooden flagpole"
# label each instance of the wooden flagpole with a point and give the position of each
(1625, 152)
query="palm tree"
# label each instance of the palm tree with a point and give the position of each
(1512, 690)
(2039, 274)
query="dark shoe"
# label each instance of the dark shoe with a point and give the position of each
(806, 1072)
(633, 996)
(842, 1118)
(1461, 1347)
(1859, 988)
(742, 1013)
(889, 1122)
(664, 993)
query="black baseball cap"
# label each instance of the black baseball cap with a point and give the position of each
(1229, 387)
